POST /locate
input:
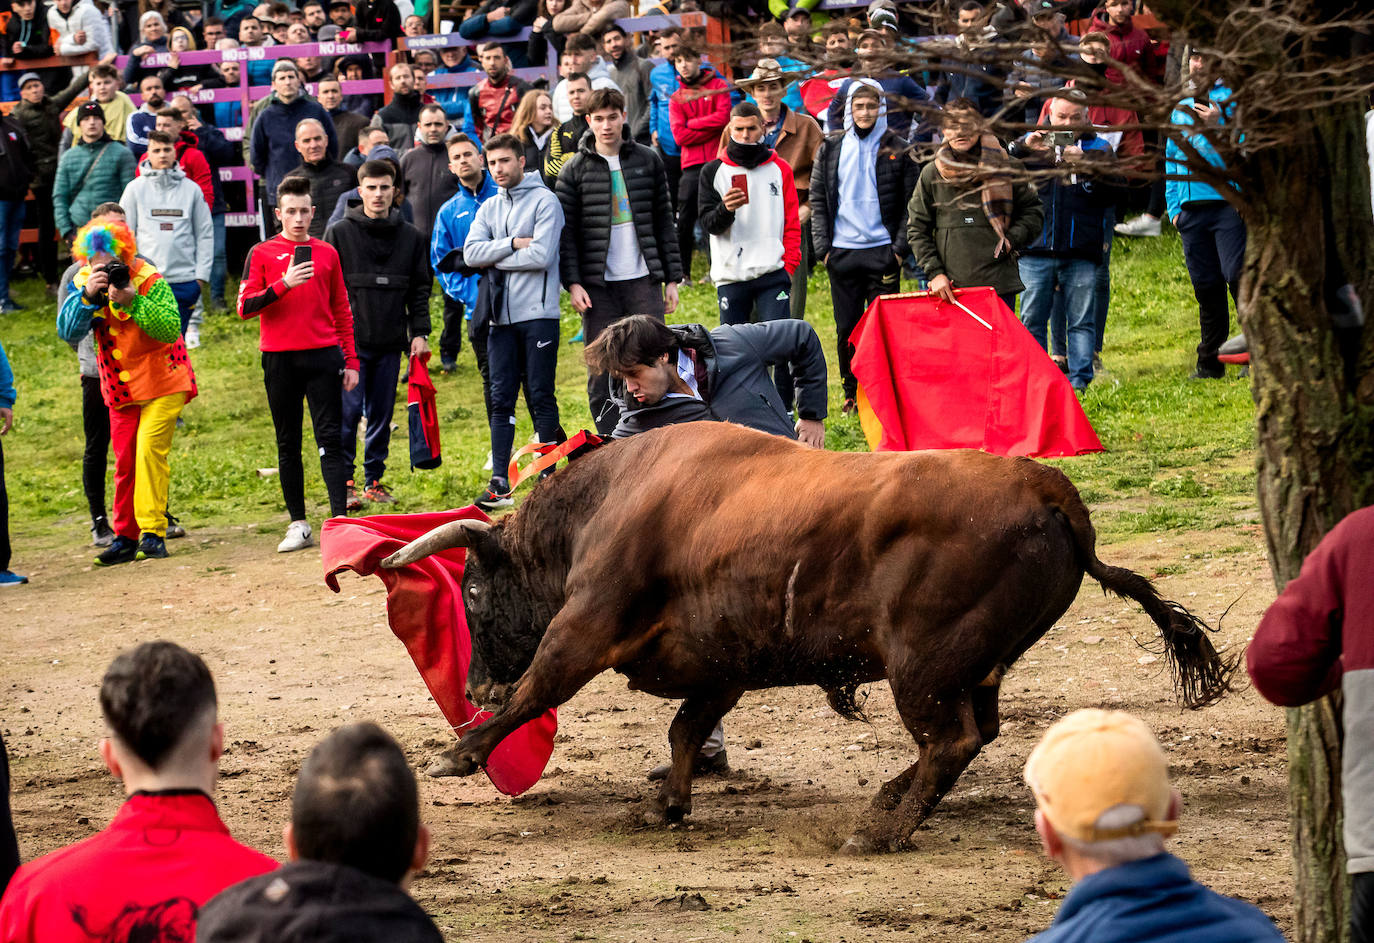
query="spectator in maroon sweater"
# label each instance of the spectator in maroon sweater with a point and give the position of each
(1318, 638)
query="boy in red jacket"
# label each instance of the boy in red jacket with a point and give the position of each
(307, 349)
(697, 112)
(146, 875)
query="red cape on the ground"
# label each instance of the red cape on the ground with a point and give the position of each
(931, 376)
(424, 607)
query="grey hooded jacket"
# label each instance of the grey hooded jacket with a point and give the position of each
(171, 221)
(531, 274)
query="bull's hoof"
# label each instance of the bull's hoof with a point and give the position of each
(673, 814)
(857, 845)
(448, 764)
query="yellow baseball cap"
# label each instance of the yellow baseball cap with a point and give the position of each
(1095, 760)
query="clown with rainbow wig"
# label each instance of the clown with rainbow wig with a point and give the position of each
(145, 378)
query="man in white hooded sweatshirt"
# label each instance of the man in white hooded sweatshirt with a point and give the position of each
(171, 222)
(860, 185)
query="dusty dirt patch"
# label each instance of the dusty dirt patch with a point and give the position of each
(570, 860)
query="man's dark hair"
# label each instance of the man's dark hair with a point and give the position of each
(506, 142)
(772, 30)
(312, 3)
(961, 109)
(579, 77)
(170, 112)
(434, 107)
(834, 26)
(458, 137)
(245, 19)
(162, 137)
(219, 21)
(629, 342)
(110, 207)
(356, 803)
(669, 31)
(579, 42)
(604, 98)
(152, 694)
(102, 70)
(686, 50)
(970, 5)
(746, 110)
(613, 28)
(293, 186)
(377, 168)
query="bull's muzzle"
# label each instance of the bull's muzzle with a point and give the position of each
(488, 695)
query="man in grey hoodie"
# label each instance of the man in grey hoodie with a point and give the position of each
(171, 221)
(514, 240)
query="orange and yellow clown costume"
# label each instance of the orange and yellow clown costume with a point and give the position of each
(145, 373)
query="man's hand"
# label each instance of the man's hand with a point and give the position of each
(79, 37)
(498, 14)
(419, 345)
(942, 287)
(539, 23)
(1173, 220)
(1036, 141)
(298, 273)
(1072, 152)
(17, 48)
(142, 50)
(6, 419)
(670, 298)
(581, 301)
(734, 198)
(522, 242)
(108, 60)
(1208, 113)
(1022, 90)
(350, 379)
(811, 432)
(653, 138)
(803, 213)
(95, 285)
(174, 60)
(6, 63)
(122, 296)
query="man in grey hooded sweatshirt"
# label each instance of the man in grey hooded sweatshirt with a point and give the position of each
(171, 221)
(514, 241)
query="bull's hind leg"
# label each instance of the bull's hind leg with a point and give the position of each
(695, 720)
(946, 728)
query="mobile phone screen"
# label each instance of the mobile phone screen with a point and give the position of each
(302, 254)
(741, 182)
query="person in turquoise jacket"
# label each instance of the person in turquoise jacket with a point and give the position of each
(95, 170)
(7, 397)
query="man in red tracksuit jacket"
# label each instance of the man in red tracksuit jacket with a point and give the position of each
(697, 112)
(147, 874)
(1316, 638)
(307, 350)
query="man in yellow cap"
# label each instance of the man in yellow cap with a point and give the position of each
(1103, 809)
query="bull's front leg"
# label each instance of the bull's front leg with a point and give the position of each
(560, 668)
(695, 720)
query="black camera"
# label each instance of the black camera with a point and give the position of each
(118, 274)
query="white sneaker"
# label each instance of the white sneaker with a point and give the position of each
(487, 465)
(1142, 225)
(297, 537)
(192, 338)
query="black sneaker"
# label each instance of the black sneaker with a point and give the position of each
(121, 550)
(151, 547)
(351, 498)
(102, 535)
(174, 528)
(496, 495)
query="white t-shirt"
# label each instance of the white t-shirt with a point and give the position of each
(624, 261)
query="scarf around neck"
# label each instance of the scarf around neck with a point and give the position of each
(991, 173)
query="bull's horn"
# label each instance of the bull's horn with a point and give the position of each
(443, 537)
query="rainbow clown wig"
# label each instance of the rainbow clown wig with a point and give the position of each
(113, 237)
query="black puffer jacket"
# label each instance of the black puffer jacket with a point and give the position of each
(429, 184)
(732, 364)
(896, 176)
(584, 189)
(315, 902)
(329, 180)
(386, 270)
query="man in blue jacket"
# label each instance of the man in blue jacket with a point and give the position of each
(1104, 807)
(1212, 231)
(272, 151)
(663, 81)
(1068, 251)
(451, 227)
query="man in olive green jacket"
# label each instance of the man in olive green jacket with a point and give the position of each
(969, 214)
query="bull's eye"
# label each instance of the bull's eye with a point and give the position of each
(473, 592)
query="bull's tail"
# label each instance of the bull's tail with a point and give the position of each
(844, 701)
(1201, 674)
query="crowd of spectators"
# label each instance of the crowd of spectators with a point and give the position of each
(827, 149)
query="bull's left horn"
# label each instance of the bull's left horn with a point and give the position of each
(443, 537)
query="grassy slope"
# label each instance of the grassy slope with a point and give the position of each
(1179, 454)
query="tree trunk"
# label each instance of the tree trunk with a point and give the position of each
(1307, 206)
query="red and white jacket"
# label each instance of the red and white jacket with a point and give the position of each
(761, 236)
(1318, 636)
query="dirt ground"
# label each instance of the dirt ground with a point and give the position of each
(571, 859)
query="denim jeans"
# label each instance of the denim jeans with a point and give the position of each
(1102, 294)
(186, 294)
(11, 222)
(375, 398)
(537, 341)
(220, 268)
(1075, 278)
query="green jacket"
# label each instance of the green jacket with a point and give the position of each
(88, 175)
(43, 124)
(950, 234)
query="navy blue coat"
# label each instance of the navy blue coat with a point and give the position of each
(272, 152)
(1073, 210)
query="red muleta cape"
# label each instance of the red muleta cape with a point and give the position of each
(932, 376)
(424, 607)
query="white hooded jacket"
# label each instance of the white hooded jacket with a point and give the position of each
(171, 222)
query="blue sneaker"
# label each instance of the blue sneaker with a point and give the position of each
(9, 304)
(11, 578)
(151, 547)
(576, 338)
(121, 550)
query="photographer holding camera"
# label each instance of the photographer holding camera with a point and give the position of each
(145, 377)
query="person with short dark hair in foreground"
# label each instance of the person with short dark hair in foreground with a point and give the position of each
(166, 853)
(354, 840)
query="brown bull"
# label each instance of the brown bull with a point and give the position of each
(705, 560)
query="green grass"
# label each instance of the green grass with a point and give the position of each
(1179, 454)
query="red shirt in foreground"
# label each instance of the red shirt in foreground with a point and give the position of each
(307, 317)
(144, 878)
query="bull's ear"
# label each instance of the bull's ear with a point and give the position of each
(482, 540)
